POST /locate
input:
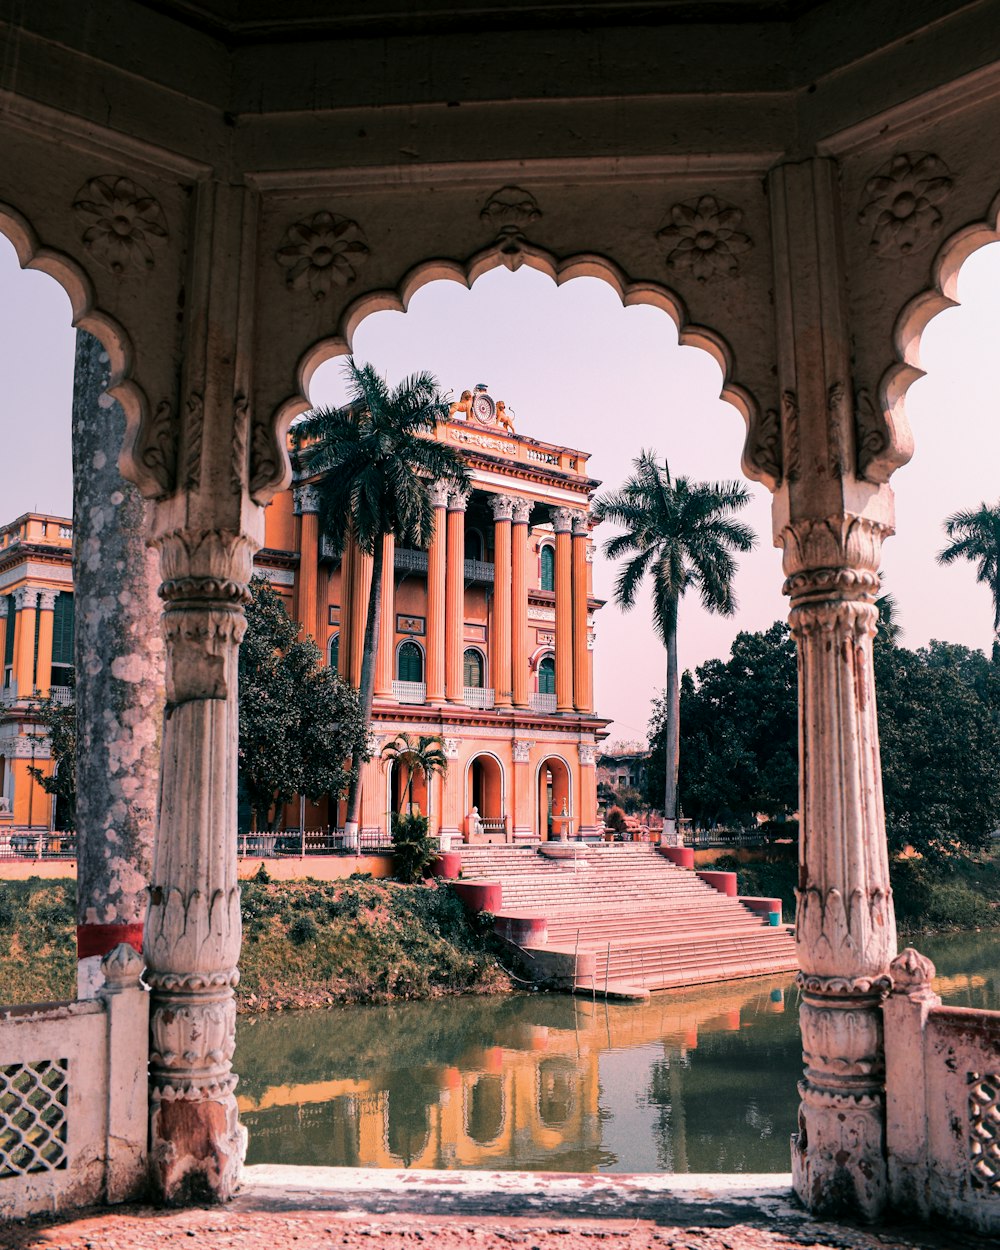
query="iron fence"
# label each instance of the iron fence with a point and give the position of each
(21, 842)
(300, 843)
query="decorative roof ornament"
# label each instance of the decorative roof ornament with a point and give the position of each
(480, 407)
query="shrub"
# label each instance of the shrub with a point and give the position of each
(615, 819)
(413, 850)
(303, 929)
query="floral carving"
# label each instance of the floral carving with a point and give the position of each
(159, 454)
(121, 221)
(763, 450)
(705, 237)
(901, 203)
(510, 209)
(322, 251)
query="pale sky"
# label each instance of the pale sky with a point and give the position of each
(579, 369)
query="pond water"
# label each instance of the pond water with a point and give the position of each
(693, 1081)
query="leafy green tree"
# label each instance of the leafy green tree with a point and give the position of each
(59, 722)
(889, 629)
(975, 536)
(421, 756)
(939, 709)
(683, 533)
(299, 722)
(739, 739)
(374, 460)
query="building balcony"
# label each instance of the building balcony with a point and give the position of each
(478, 696)
(544, 703)
(409, 691)
(61, 694)
(479, 571)
(410, 561)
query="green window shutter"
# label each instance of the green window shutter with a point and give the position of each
(410, 664)
(473, 669)
(8, 650)
(62, 631)
(547, 676)
(548, 569)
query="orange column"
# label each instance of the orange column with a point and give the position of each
(361, 584)
(519, 603)
(346, 587)
(562, 519)
(387, 621)
(436, 560)
(587, 803)
(582, 686)
(3, 633)
(322, 633)
(522, 805)
(46, 620)
(307, 508)
(500, 656)
(25, 600)
(454, 607)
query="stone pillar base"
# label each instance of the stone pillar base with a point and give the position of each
(196, 1150)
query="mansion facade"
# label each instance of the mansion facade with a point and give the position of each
(486, 637)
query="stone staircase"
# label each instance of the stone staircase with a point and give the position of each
(628, 920)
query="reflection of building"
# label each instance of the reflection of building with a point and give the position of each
(486, 637)
(36, 647)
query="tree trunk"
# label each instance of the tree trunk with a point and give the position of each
(673, 744)
(367, 694)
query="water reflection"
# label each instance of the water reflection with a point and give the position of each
(693, 1081)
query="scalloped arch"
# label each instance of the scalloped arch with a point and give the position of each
(31, 254)
(920, 311)
(560, 271)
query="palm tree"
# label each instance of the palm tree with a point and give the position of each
(889, 629)
(374, 459)
(683, 533)
(975, 536)
(423, 755)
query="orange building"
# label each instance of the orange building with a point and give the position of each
(36, 647)
(486, 637)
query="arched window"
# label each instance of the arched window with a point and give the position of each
(547, 675)
(548, 569)
(474, 549)
(473, 668)
(335, 651)
(410, 663)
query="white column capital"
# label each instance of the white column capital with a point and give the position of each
(522, 751)
(306, 499)
(562, 520)
(582, 522)
(47, 600)
(458, 498)
(3, 607)
(522, 510)
(25, 597)
(439, 492)
(502, 507)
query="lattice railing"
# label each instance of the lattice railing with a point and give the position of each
(33, 1116)
(984, 1130)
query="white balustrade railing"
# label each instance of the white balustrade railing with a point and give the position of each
(409, 691)
(478, 696)
(61, 694)
(542, 702)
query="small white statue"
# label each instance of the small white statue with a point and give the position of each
(473, 823)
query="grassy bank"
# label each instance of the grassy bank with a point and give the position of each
(963, 893)
(305, 943)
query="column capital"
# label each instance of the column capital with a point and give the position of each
(458, 498)
(522, 510)
(582, 522)
(562, 520)
(522, 751)
(3, 607)
(438, 492)
(831, 559)
(502, 507)
(26, 597)
(306, 499)
(588, 754)
(47, 600)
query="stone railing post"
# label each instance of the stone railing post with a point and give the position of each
(192, 933)
(127, 1006)
(845, 931)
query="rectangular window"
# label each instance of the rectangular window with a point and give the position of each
(63, 624)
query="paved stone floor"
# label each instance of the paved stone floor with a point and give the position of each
(309, 1209)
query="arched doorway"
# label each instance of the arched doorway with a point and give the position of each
(555, 817)
(485, 791)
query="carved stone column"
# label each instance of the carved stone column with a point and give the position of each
(583, 698)
(500, 655)
(436, 558)
(119, 704)
(454, 613)
(522, 798)
(519, 603)
(192, 934)
(830, 521)
(307, 509)
(562, 519)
